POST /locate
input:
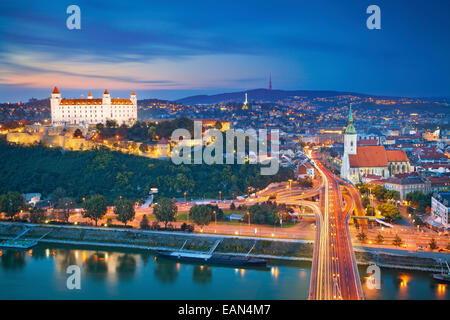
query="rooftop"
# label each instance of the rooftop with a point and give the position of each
(93, 101)
(406, 180)
(396, 156)
(444, 196)
(368, 156)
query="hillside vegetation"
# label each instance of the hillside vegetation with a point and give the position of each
(113, 174)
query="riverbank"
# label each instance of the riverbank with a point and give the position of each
(270, 248)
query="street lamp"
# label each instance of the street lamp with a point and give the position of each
(220, 195)
(185, 196)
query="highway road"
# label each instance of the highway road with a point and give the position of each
(334, 270)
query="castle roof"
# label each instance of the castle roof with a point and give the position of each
(66, 102)
(106, 91)
(55, 90)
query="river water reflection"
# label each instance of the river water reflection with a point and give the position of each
(123, 274)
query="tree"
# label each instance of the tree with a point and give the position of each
(99, 128)
(124, 210)
(145, 225)
(37, 215)
(379, 239)
(61, 201)
(218, 125)
(363, 188)
(391, 195)
(365, 201)
(378, 191)
(165, 210)
(216, 212)
(433, 245)
(111, 124)
(362, 237)
(420, 200)
(95, 208)
(263, 213)
(11, 203)
(77, 133)
(200, 214)
(397, 241)
(305, 183)
(143, 147)
(369, 210)
(389, 211)
(151, 132)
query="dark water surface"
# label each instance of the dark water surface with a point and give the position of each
(126, 274)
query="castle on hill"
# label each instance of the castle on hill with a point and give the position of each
(92, 111)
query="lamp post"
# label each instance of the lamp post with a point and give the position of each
(185, 196)
(220, 195)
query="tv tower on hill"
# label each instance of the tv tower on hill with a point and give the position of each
(270, 81)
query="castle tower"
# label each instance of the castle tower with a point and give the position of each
(106, 102)
(350, 142)
(54, 105)
(106, 97)
(89, 96)
(133, 98)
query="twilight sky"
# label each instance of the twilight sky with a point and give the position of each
(172, 49)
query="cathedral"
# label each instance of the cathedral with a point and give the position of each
(369, 160)
(92, 111)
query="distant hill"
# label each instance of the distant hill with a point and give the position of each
(263, 95)
(146, 102)
(438, 105)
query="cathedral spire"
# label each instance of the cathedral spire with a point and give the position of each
(350, 116)
(350, 128)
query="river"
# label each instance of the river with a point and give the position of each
(40, 273)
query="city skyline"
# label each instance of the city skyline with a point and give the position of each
(180, 50)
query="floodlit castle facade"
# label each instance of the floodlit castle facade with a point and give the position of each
(359, 161)
(92, 111)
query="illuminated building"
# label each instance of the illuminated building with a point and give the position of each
(92, 111)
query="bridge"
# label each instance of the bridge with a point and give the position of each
(335, 273)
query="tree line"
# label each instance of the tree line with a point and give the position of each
(143, 131)
(113, 174)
